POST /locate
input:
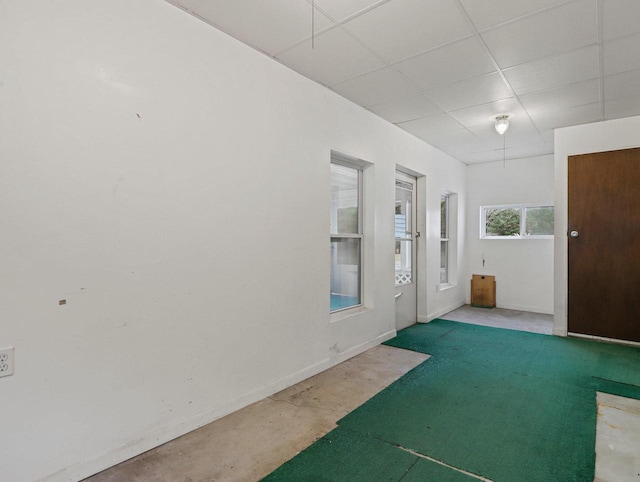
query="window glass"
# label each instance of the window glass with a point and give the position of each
(344, 199)
(503, 222)
(444, 262)
(345, 273)
(539, 221)
(403, 213)
(444, 206)
(346, 237)
(444, 239)
(404, 271)
(404, 229)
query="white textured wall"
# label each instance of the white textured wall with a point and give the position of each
(523, 267)
(172, 185)
(584, 139)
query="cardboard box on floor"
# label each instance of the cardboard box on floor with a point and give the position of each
(483, 291)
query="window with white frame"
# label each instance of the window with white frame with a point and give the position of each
(516, 221)
(445, 222)
(346, 235)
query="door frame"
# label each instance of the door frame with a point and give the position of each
(421, 251)
(575, 140)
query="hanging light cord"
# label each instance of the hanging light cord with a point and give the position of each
(313, 24)
(504, 150)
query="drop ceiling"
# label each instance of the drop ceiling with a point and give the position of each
(444, 69)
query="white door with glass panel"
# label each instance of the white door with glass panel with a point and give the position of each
(405, 250)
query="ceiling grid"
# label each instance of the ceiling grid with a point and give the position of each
(444, 69)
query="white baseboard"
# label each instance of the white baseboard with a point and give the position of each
(443, 311)
(603, 339)
(530, 309)
(154, 439)
(356, 350)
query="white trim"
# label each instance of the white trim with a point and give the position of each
(344, 313)
(604, 339)
(444, 287)
(527, 308)
(356, 350)
(443, 311)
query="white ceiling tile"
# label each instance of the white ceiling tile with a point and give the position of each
(336, 57)
(341, 9)
(518, 152)
(476, 91)
(269, 26)
(451, 63)
(529, 150)
(620, 18)
(480, 157)
(431, 125)
(486, 113)
(626, 84)
(575, 66)
(448, 140)
(398, 29)
(375, 87)
(551, 32)
(488, 13)
(571, 95)
(553, 118)
(403, 110)
(484, 145)
(625, 107)
(471, 147)
(622, 55)
(186, 4)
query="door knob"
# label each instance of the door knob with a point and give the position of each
(574, 234)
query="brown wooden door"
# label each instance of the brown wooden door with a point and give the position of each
(604, 248)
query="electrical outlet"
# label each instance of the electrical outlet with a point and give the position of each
(6, 362)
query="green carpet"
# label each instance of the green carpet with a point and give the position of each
(502, 404)
(345, 455)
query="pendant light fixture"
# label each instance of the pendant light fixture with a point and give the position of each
(502, 124)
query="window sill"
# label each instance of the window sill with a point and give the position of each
(445, 287)
(347, 313)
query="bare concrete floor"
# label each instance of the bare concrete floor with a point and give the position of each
(251, 443)
(503, 318)
(617, 439)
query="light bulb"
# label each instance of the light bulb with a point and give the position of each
(502, 124)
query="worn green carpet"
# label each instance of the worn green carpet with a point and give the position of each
(501, 404)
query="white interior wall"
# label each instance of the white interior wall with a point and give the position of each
(172, 185)
(569, 141)
(523, 267)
